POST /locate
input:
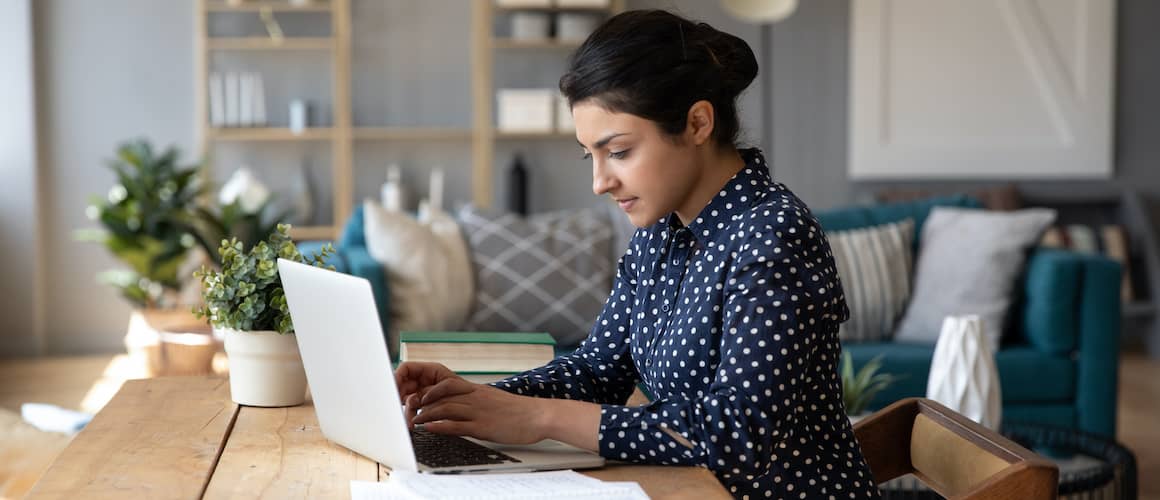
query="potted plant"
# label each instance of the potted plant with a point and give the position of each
(146, 220)
(245, 302)
(858, 389)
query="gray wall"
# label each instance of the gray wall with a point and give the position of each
(20, 328)
(116, 69)
(107, 72)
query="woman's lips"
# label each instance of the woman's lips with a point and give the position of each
(626, 204)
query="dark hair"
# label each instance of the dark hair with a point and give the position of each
(655, 64)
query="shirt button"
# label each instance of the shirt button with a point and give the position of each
(665, 308)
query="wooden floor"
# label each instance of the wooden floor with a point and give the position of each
(87, 383)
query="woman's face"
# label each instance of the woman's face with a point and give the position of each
(645, 171)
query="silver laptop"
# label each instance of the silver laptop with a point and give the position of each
(353, 385)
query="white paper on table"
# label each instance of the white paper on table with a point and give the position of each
(556, 484)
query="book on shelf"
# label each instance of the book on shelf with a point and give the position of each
(493, 355)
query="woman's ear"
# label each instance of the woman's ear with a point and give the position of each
(700, 122)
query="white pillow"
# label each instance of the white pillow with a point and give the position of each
(427, 266)
(968, 263)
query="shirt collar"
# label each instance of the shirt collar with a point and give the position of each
(744, 190)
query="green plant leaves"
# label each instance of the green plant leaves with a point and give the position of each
(246, 294)
(858, 389)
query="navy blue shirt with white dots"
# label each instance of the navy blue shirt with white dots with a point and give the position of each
(731, 324)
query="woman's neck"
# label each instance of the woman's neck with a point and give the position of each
(719, 165)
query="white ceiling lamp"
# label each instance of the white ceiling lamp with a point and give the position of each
(760, 11)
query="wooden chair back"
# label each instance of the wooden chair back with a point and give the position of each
(951, 454)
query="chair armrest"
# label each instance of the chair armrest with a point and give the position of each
(1072, 305)
(360, 263)
(950, 453)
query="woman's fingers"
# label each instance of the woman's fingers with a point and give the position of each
(445, 389)
(452, 427)
(445, 410)
(412, 377)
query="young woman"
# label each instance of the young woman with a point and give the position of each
(725, 306)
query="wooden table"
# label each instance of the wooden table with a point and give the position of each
(182, 437)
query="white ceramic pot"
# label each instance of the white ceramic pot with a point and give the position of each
(265, 368)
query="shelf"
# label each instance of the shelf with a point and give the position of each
(255, 6)
(593, 9)
(411, 133)
(509, 43)
(312, 232)
(268, 134)
(534, 135)
(267, 43)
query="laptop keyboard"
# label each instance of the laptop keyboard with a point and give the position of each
(440, 450)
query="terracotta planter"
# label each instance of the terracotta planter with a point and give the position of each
(169, 342)
(265, 368)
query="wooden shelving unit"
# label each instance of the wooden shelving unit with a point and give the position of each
(341, 133)
(265, 43)
(269, 134)
(484, 43)
(507, 43)
(411, 133)
(257, 6)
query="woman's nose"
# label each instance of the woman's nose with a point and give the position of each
(602, 182)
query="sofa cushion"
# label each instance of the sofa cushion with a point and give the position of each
(549, 272)
(1051, 293)
(874, 264)
(427, 266)
(968, 263)
(875, 215)
(1054, 376)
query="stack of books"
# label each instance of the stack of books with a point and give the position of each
(479, 356)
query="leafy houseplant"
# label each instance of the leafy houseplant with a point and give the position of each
(858, 389)
(146, 221)
(245, 302)
(246, 294)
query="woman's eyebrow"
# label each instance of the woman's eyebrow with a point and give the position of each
(604, 141)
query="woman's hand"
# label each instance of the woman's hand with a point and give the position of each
(414, 379)
(456, 406)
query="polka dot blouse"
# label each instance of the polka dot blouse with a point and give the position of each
(731, 325)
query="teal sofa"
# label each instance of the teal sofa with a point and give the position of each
(1058, 361)
(1059, 358)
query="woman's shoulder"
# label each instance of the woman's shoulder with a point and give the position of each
(779, 214)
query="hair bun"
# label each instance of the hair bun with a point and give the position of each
(738, 64)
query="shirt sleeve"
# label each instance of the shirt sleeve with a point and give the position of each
(601, 369)
(775, 316)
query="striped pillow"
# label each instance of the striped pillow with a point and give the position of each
(875, 266)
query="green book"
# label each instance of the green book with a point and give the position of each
(478, 337)
(479, 353)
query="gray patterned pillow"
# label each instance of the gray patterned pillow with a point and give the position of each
(545, 273)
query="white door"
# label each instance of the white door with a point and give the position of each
(957, 89)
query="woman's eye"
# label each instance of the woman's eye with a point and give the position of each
(618, 155)
(586, 156)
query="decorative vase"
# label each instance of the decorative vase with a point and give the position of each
(963, 375)
(265, 368)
